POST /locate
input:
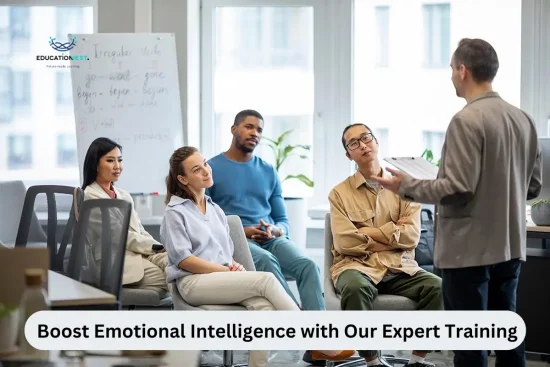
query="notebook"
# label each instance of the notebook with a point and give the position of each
(416, 167)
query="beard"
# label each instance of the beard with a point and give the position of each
(243, 148)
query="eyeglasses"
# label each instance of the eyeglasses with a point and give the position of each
(354, 144)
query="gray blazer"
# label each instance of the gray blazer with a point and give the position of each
(490, 165)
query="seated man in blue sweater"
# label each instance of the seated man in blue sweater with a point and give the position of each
(247, 186)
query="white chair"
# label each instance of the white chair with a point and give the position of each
(383, 302)
(242, 256)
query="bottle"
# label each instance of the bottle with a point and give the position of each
(34, 299)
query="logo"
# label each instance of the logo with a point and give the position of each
(58, 46)
(62, 47)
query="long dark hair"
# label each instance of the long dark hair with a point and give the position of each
(97, 149)
(173, 186)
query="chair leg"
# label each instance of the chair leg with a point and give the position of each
(131, 307)
(355, 361)
(228, 360)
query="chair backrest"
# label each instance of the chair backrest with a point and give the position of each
(12, 197)
(99, 245)
(332, 302)
(57, 253)
(242, 253)
(329, 241)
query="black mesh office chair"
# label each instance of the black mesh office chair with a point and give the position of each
(99, 245)
(59, 248)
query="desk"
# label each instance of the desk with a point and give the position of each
(533, 300)
(66, 292)
(62, 218)
(539, 232)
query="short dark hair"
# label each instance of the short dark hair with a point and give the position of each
(96, 150)
(349, 127)
(241, 116)
(479, 57)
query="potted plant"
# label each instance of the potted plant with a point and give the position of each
(296, 205)
(540, 212)
(429, 156)
(9, 327)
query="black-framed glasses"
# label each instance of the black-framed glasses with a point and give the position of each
(354, 143)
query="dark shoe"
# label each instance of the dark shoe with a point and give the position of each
(420, 364)
(314, 362)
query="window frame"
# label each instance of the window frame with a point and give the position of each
(333, 84)
(26, 136)
(382, 57)
(8, 95)
(429, 60)
(41, 200)
(535, 73)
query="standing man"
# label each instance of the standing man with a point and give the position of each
(247, 186)
(490, 166)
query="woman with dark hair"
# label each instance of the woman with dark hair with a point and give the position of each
(145, 258)
(200, 251)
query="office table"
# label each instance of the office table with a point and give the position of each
(539, 232)
(66, 293)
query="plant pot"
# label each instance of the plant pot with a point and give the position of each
(296, 211)
(9, 328)
(540, 214)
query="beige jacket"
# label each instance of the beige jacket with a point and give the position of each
(139, 241)
(363, 222)
(490, 165)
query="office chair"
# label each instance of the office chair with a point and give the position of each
(383, 302)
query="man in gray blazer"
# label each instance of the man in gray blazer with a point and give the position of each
(490, 165)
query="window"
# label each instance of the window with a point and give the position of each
(382, 135)
(66, 150)
(69, 20)
(270, 37)
(6, 102)
(437, 35)
(413, 103)
(5, 34)
(27, 124)
(254, 67)
(22, 88)
(433, 140)
(63, 88)
(20, 27)
(382, 19)
(19, 151)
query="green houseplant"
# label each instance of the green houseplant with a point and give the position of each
(429, 156)
(296, 206)
(283, 151)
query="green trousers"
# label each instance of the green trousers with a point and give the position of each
(358, 292)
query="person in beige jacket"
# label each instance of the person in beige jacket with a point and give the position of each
(490, 167)
(145, 260)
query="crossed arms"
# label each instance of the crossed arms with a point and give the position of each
(352, 241)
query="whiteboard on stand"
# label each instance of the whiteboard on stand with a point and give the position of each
(125, 87)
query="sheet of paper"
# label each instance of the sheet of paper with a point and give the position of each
(416, 167)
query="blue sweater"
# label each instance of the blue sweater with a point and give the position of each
(250, 190)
